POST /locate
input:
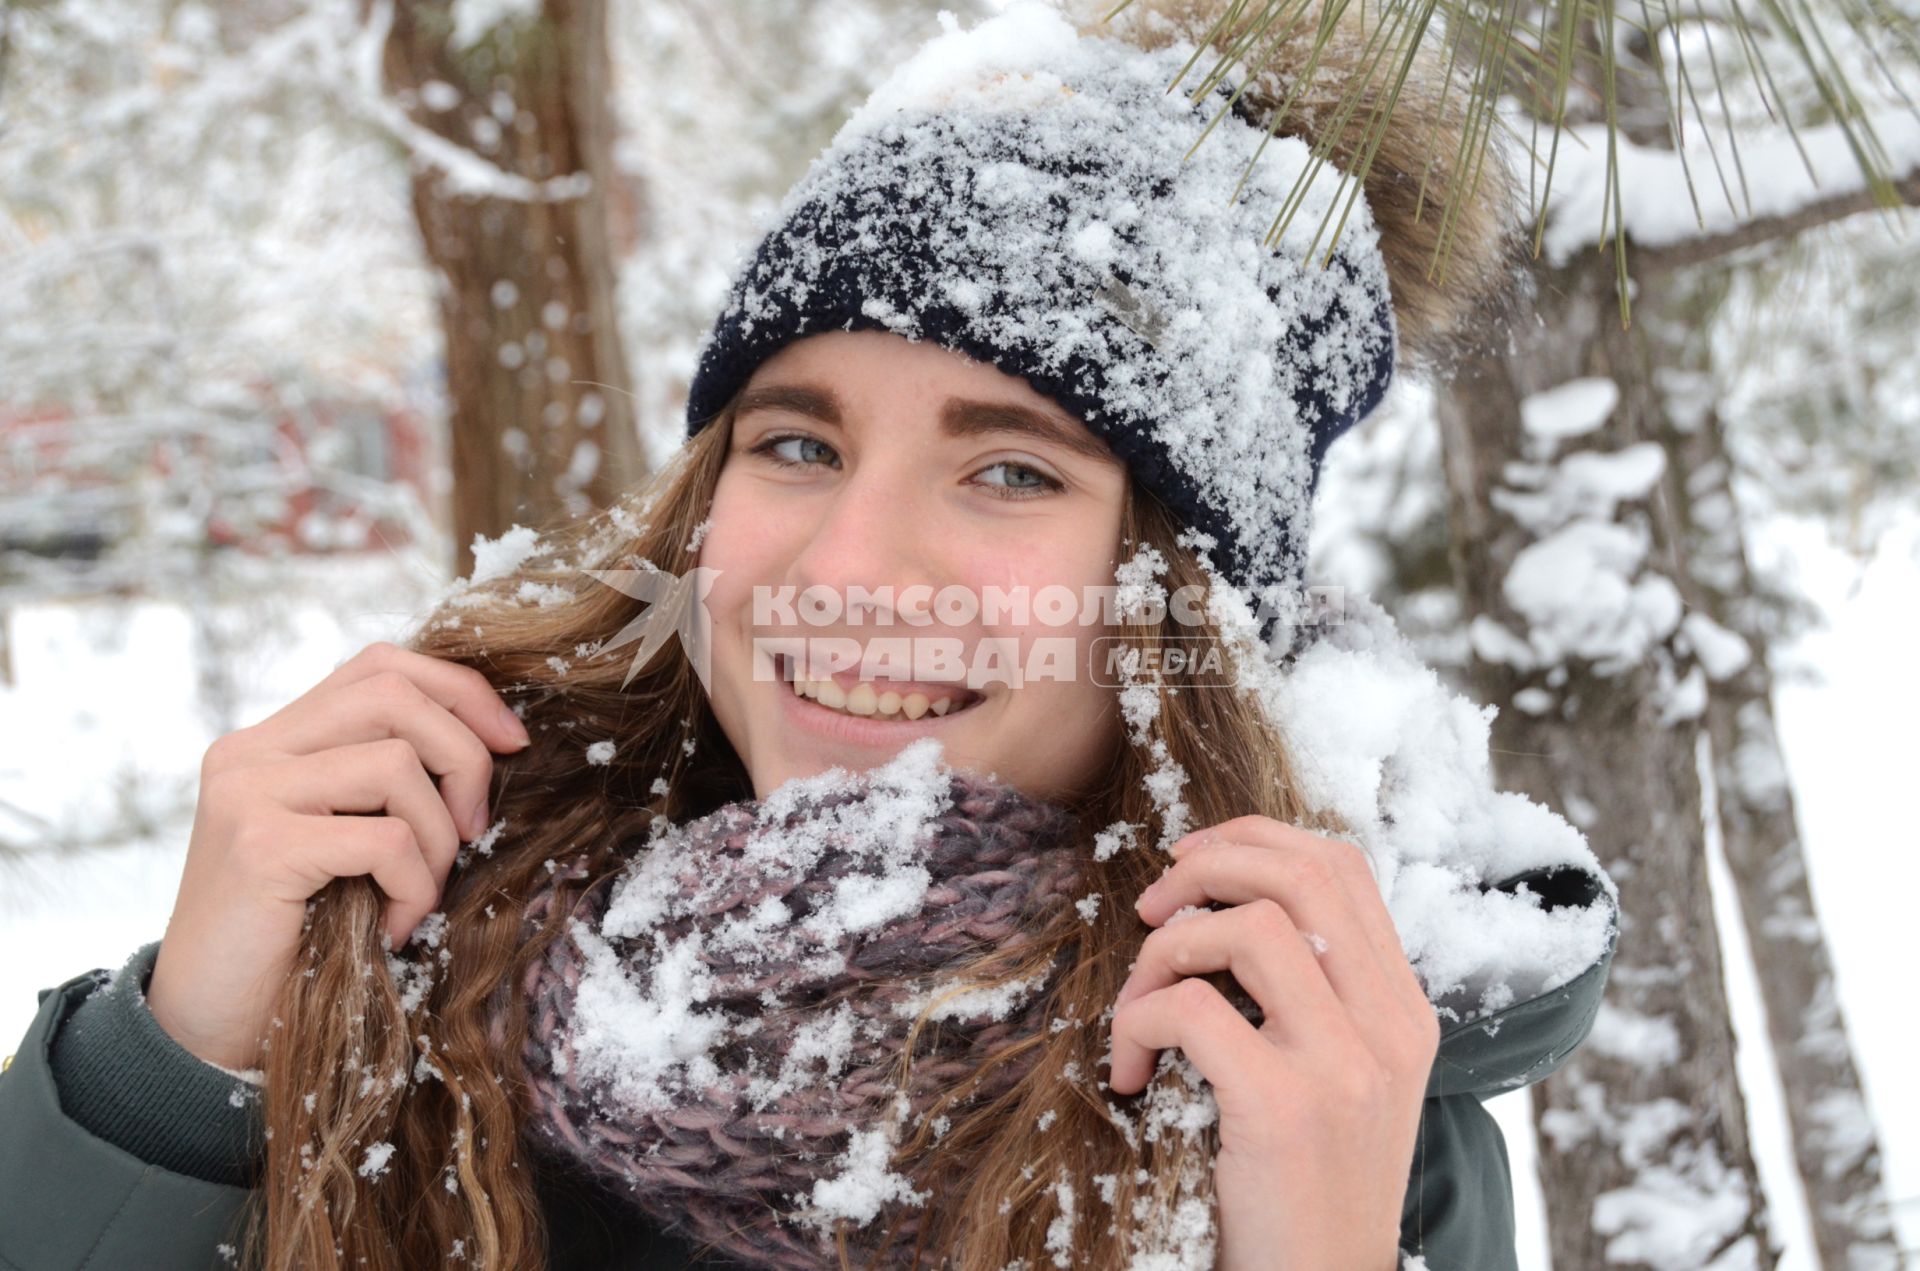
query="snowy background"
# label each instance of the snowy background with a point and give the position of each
(205, 228)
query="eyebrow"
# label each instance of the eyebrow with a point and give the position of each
(960, 417)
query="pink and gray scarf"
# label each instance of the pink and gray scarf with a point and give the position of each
(713, 1144)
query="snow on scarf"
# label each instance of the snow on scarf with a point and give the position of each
(660, 1048)
(720, 1034)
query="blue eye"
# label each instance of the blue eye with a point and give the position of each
(798, 450)
(770, 448)
(1032, 483)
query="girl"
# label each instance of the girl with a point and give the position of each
(997, 339)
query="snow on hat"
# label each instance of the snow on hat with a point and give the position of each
(1021, 192)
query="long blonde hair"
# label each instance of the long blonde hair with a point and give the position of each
(370, 1049)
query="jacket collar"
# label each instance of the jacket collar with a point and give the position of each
(1522, 1043)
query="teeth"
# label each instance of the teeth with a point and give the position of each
(864, 699)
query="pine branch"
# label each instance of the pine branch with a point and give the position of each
(1650, 261)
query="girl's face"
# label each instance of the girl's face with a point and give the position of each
(879, 499)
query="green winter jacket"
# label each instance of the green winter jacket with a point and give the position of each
(121, 1151)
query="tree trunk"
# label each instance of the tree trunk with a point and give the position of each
(540, 405)
(1836, 1145)
(1564, 575)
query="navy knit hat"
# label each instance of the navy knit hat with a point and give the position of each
(1021, 192)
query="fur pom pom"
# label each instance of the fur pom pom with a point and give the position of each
(1451, 236)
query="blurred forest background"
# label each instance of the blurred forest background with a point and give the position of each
(297, 298)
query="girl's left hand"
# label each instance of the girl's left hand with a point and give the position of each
(1319, 1105)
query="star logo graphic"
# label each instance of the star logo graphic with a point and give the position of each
(676, 606)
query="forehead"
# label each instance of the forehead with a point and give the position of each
(857, 363)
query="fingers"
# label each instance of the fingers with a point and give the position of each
(384, 847)
(461, 690)
(1326, 888)
(1312, 878)
(1238, 874)
(370, 738)
(1194, 1017)
(1267, 954)
(449, 713)
(373, 776)
(388, 704)
(1349, 863)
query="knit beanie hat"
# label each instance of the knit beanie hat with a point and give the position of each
(1022, 192)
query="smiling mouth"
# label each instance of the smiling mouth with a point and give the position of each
(879, 701)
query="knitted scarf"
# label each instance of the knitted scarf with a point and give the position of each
(719, 1031)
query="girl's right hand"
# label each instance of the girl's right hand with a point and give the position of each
(371, 737)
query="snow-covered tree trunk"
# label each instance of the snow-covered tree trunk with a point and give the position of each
(1836, 1144)
(1565, 574)
(540, 415)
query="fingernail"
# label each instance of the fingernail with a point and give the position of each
(477, 819)
(511, 722)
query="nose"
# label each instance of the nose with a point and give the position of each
(872, 532)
